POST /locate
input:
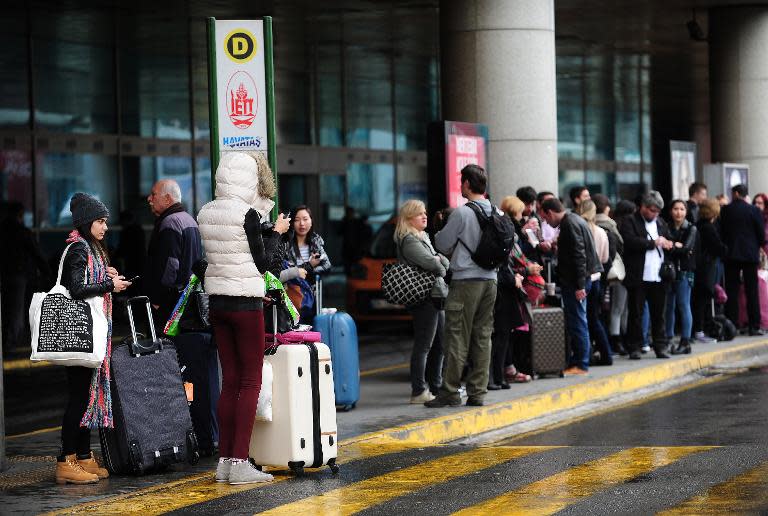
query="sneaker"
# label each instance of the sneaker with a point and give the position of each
(645, 349)
(702, 337)
(424, 397)
(474, 402)
(442, 402)
(243, 472)
(223, 469)
(462, 392)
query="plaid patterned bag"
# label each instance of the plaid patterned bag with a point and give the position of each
(405, 284)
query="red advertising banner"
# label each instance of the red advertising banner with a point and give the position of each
(461, 150)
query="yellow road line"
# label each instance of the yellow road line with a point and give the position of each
(555, 493)
(747, 492)
(373, 491)
(378, 370)
(35, 432)
(201, 488)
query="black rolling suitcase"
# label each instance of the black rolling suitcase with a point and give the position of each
(152, 425)
(198, 361)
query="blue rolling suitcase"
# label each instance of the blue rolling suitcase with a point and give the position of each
(340, 335)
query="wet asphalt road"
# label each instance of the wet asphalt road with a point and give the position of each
(701, 450)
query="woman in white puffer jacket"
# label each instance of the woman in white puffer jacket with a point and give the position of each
(239, 249)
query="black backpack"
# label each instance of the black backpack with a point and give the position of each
(497, 236)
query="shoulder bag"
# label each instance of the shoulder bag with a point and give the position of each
(405, 284)
(66, 331)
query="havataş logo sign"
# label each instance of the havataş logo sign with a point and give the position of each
(242, 99)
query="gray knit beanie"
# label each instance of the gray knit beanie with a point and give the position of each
(85, 209)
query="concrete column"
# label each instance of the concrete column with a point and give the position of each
(738, 39)
(498, 68)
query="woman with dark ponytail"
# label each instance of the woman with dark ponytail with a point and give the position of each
(87, 273)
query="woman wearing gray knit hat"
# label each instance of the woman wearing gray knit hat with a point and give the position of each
(87, 273)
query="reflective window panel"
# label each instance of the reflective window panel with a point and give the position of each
(62, 175)
(73, 71)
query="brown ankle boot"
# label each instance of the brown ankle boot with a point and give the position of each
(70, 471)
(91, 465)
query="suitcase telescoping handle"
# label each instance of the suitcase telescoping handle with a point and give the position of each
(145, 300)
(319, 292)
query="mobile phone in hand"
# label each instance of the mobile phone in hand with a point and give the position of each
(135, 278)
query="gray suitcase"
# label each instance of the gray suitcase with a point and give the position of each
(548, 342)
(152, 425)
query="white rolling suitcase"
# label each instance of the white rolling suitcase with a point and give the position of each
(302, 432)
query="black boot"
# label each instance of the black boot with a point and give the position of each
(683, 348)
(661, 350)
(617, 347)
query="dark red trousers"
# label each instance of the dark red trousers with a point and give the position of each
(240, 339)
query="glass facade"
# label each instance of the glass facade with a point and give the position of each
(108, 99)
(603, 120)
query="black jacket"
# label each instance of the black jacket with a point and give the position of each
(73, 275)
(743, 231)
(710, 248)
(173, 248)
(636, 244)
(692, 211)
(576, 256)
(684, 257)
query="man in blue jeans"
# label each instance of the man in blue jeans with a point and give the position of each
(577, 262)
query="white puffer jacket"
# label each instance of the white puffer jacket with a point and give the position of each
(231, 269)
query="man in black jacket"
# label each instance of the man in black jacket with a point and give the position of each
(744, 234)
(173, 248)
(577, 262)
(697, 194)
(646, 237)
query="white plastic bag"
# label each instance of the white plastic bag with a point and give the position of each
(264, 408)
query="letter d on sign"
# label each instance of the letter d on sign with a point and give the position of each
(239, 46)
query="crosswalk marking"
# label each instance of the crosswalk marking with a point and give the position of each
(554, 493)
(744, 493)
(361, 495)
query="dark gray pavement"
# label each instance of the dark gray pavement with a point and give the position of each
(36, 397)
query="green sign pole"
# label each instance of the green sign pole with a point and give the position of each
(213, 105)
(269, 64)
(269, 73)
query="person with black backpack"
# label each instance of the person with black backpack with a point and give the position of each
(478, 238)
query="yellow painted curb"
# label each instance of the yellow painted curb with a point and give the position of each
(467, 423)
(23, 363)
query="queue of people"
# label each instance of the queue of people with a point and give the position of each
(628, 278)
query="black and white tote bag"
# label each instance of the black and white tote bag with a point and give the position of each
(66, 331)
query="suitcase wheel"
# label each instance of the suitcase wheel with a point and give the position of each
(334, 467)
(297, 468)
(345, 408)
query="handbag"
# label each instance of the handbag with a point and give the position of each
(195, 316)
(405, 284)
(668, 269)
(66, 331)
(617, 271)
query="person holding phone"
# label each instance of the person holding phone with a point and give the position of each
(87, 273)
(305, 257)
